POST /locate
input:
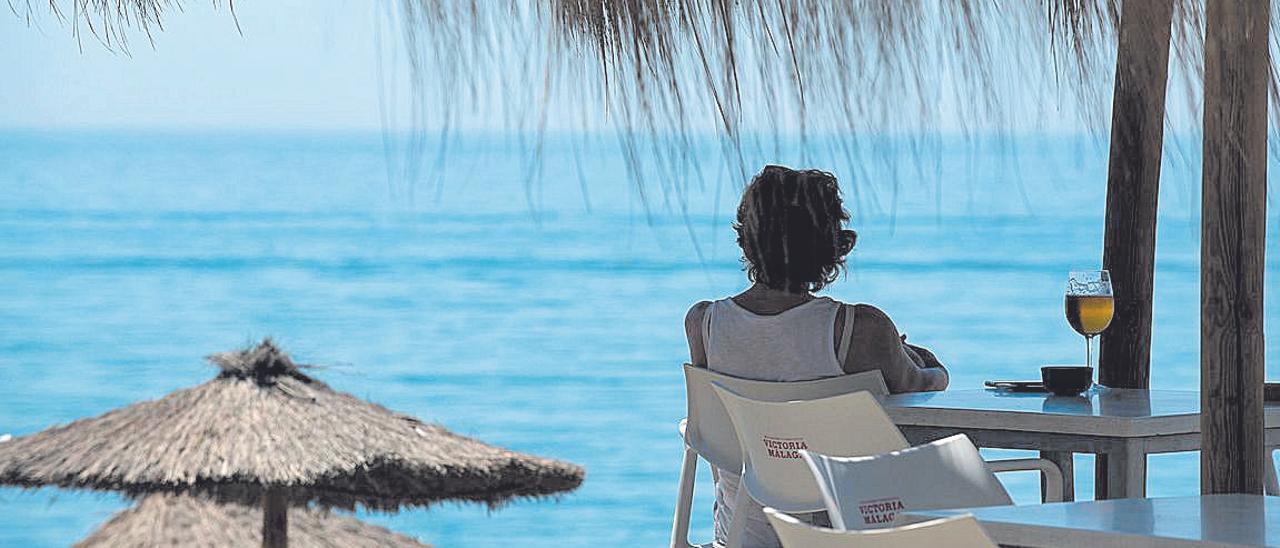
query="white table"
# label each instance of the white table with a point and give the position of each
(1120, 426)
(1213, 520)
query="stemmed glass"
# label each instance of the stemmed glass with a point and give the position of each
(1089, 305)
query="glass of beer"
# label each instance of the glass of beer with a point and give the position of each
(1089, 305)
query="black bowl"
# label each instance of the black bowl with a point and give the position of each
(1067, 380)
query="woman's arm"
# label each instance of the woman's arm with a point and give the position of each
(927, 358)
(877, 345)
(693, 333)
(915, 356)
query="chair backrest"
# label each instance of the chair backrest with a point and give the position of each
(955, 532)
(773, 434)
(872, 492)
(709, 430)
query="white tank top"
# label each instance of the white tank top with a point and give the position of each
(794, 345)
(797, 344)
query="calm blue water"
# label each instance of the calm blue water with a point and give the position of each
(556, 330)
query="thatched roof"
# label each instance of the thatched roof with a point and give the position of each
(664, 66)
(263, 423)
(791, 64)
(857, 83)
(828, 64)
(169, 520)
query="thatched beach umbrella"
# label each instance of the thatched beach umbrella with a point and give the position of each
(264, 433)
(176, 520)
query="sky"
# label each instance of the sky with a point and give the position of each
(298, 65)
(293, 65)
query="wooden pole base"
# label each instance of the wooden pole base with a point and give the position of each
(275, 519)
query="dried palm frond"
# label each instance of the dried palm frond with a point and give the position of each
(110, 22)
(838, 76)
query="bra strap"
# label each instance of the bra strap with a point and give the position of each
(845, 338)
(706, 328)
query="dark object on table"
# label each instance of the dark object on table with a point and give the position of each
(1271, 392)
(1067, 380)
(1017, 386)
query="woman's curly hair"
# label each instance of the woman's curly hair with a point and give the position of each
(791, 229)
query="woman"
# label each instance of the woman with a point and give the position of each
(791, 230)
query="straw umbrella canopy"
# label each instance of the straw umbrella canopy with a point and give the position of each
(263, 432)
(176, 520)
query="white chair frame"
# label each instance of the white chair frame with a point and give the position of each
(955, 456)
(884, 436)
(954, 532)
(708, 432)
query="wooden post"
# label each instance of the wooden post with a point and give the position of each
(275, 519)
(1133, 187)
(1232, 245)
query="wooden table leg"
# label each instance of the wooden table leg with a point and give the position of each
(1270, 485)
(1121, 473)
(1065, 461)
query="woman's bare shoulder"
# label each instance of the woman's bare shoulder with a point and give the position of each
(873, 327)
(693, 319)
(872, 317)
(693, 332)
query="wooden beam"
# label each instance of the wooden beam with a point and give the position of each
(275, 519)
(1133, 187)
(1232, 245)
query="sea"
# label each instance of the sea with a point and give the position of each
(529, 291)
